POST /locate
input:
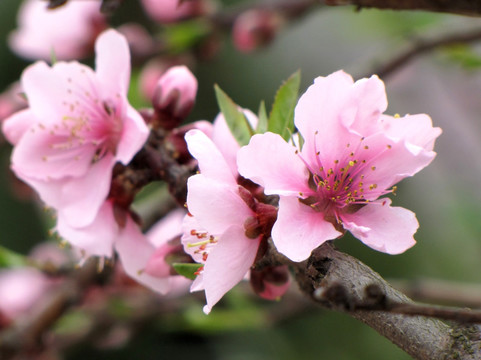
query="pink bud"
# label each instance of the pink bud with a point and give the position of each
(271, 282)
(174, 96)
(20, 290)
(254, 28)
(167, 11)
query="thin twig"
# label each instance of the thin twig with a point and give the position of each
(461, 7)
(26, 334)
(441, 291)
(423, 46)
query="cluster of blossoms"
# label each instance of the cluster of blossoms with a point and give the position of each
(352, 154)
(328, 179)
(78, 125)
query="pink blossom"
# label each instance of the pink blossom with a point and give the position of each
(174, 95)
(78, 125)
(255, 28)
(165, 237)
(166, 11)
(271, 282)
(104, 234)
(352, 155)
(20, 289)
(215, 233)
(135, 251)
(68, 31)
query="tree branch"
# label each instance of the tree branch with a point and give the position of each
(25, 336)
(461, 7)
(421, 337)
(423, 46)
(441, 291)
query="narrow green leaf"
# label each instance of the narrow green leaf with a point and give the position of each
(9, 258)
(263, 119)
(235, 119)
(187, 270)
(53, 56)
(281, 119)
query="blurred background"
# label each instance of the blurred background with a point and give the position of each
(446, 196)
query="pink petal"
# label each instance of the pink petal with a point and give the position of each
(112, 62)
(272, 163)
(79, 199)
(382, 227)
(368, 97)
(134, 251)
(97, 238)
(46, 90)
(156, 265)
(37, 155)
(21, 289)
(17, 125)
(319, 113)
(388, 162)
(211, 162)
(413, 129)
(299, 229)
(84, 196)
(167, 228)
(215, 205)
(225, 141)
(38, 31)
(227, 264)
(134, 135)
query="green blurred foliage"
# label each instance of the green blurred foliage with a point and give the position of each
(446, 201)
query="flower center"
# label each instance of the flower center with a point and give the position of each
(204, 244)
(89, 120)
(341, 186)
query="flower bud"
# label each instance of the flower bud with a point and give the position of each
(271, 282)
(174, 97)
(255, 28)
(168, 11)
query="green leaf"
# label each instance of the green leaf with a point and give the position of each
(234, 117)
(187, 270)
(53, 56)
(9, 258)
(263, 119)
(281, 120)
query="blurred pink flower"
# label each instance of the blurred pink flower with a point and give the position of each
(255, 28)
(78, 125)
(104, 234)
(215, 232)
(69, 31)
(20, 289)
(270, 283)
(167, 11)
(352, 155)
(11, 101)
(174, 95)
(165, 237)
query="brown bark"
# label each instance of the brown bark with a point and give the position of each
(421, 337)
(462, 7)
